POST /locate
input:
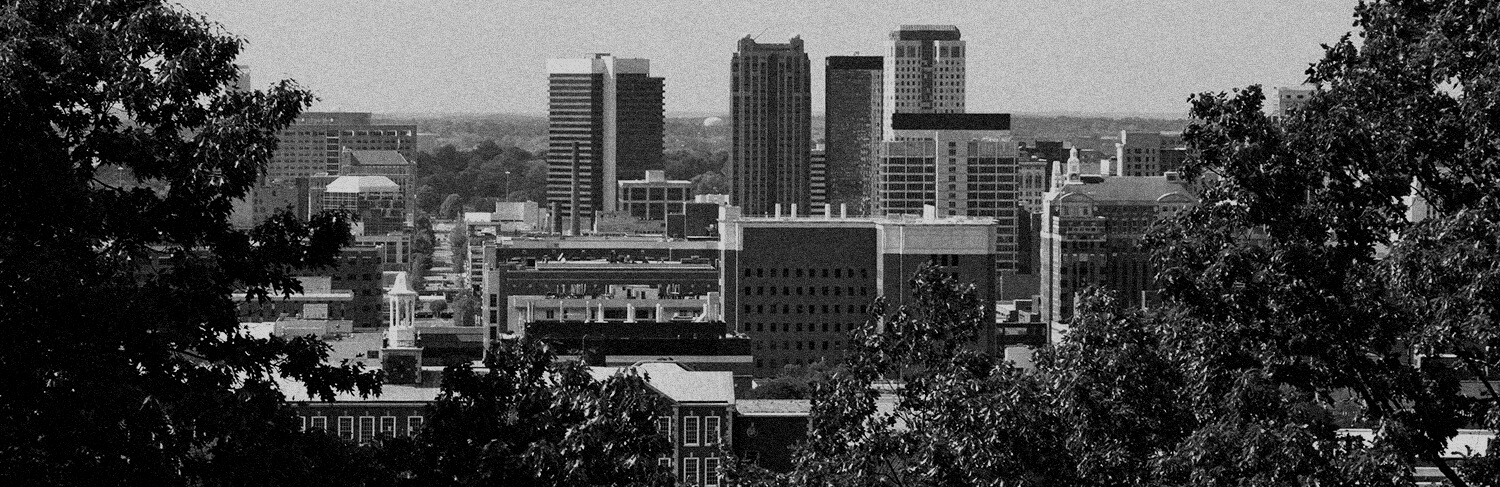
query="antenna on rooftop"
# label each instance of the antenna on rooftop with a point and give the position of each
(762, 32)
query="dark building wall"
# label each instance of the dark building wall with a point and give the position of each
(575, 113)
(852, 129)
(639, 125)
(408, 417)
(797, 291)
(359, 271)
(769, 441)
(770, 89)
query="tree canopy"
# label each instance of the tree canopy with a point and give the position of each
(123, 360)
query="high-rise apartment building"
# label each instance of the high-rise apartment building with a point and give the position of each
(853, 94)
(612, 109)
(1092, 226)
(314, 143)
(1148, 153)
(964, 164)
(924, 71)
(770, 89)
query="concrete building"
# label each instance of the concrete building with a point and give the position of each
(1092, 226)
(391, 164)
(561, 267)
(964, 164)
(274, 194)
(611, 109)
(770, 89)
(655, 196)
(376, 202)
(1287, 100)
(924, 71)
(1147, 154)
(316, 141)
(817, 177)
(797, 286)
(854, 96)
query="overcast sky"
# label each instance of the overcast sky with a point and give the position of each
(1031, 56)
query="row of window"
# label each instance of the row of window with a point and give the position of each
(696, 430)
(788, 327)
(787, 345)
(810, 309)
(836, 273)
(709, 476)
(365, 429)
(811, 291)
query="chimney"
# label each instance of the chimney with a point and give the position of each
(778, 210)
(843, 210)
(794, 210)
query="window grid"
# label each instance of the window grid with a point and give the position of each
(690, 431)
(388, 426)
(711, 430)
(319, 422)
(346, 427)
(366, 428)
(690, 474)
(413, 424)
(711, 471)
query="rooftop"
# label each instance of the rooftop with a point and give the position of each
(679, 384)
(774, 407)
(362, 184)
(950, 121)
(1124, 189)
(378, 158)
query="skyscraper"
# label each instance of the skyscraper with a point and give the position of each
(924, 72)
(853, 93)
(612, 108)
(770, 86)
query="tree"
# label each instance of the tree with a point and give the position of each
(532, 420)
(452, 205)
(1283, 270)
(711, 182)
(124, 361)
(464, 309)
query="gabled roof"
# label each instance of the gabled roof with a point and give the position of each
(679, 384)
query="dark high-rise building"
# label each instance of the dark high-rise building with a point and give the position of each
(852, 90)
(612, 108)
(771, 90)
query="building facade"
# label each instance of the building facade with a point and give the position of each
(797, 286)
(1289, 99)
(655, 196)
(1147, 154)
(854, 96)
(963, 164)
(924, 71)
(610, 109)
(376, 202)
(770, 146)
(1092, 227)
(315, 142)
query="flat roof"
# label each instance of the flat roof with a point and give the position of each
(950, 121)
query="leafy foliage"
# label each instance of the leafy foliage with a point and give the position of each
(531, 420)
(124, 362)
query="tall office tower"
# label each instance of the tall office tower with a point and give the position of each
(770, 86)
(1148, 153)
(853, 114)
(313, 144)
(962, 163)
(1092, 226)
(924, 71)
(612, 108)
(797, 286)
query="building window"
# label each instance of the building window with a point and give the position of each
(664, 426)
(413, 424)
(664, 462)
(319, 423)
(690, 431)
(690, 471)
(388, 426)
(711, 471)
(366, 428)
(711, 430)
(346, 427)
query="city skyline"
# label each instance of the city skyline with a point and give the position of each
(1121, 58)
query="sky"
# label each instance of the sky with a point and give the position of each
(1120, 57)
